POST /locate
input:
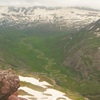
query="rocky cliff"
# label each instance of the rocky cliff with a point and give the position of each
(83, 51)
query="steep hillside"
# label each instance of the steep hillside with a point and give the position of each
(83, 50)
(82, 54)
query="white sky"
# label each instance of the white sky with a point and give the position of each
(55, 3)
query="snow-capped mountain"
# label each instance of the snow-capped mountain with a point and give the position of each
(54, 18)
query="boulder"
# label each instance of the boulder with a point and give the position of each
(9, 83)
(13, 97)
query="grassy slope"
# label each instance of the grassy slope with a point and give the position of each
(42, 53)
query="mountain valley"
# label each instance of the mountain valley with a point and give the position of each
(56, 44)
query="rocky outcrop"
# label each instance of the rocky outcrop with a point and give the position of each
(9, 83)
(13, 97)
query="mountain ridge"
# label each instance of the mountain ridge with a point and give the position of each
(61, 19)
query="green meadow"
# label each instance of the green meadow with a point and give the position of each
(32, 51)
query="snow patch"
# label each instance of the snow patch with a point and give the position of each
(97, 29)
(97, 34)
(47, 94)
(33, 81)
(64, 17)
(91, 27)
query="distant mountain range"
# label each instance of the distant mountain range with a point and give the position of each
(52, 18)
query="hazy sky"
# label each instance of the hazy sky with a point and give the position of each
(62, 3)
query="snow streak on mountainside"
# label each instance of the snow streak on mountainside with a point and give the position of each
(54, 18)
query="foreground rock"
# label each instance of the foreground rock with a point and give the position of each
(9, 83)
(13, 97)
